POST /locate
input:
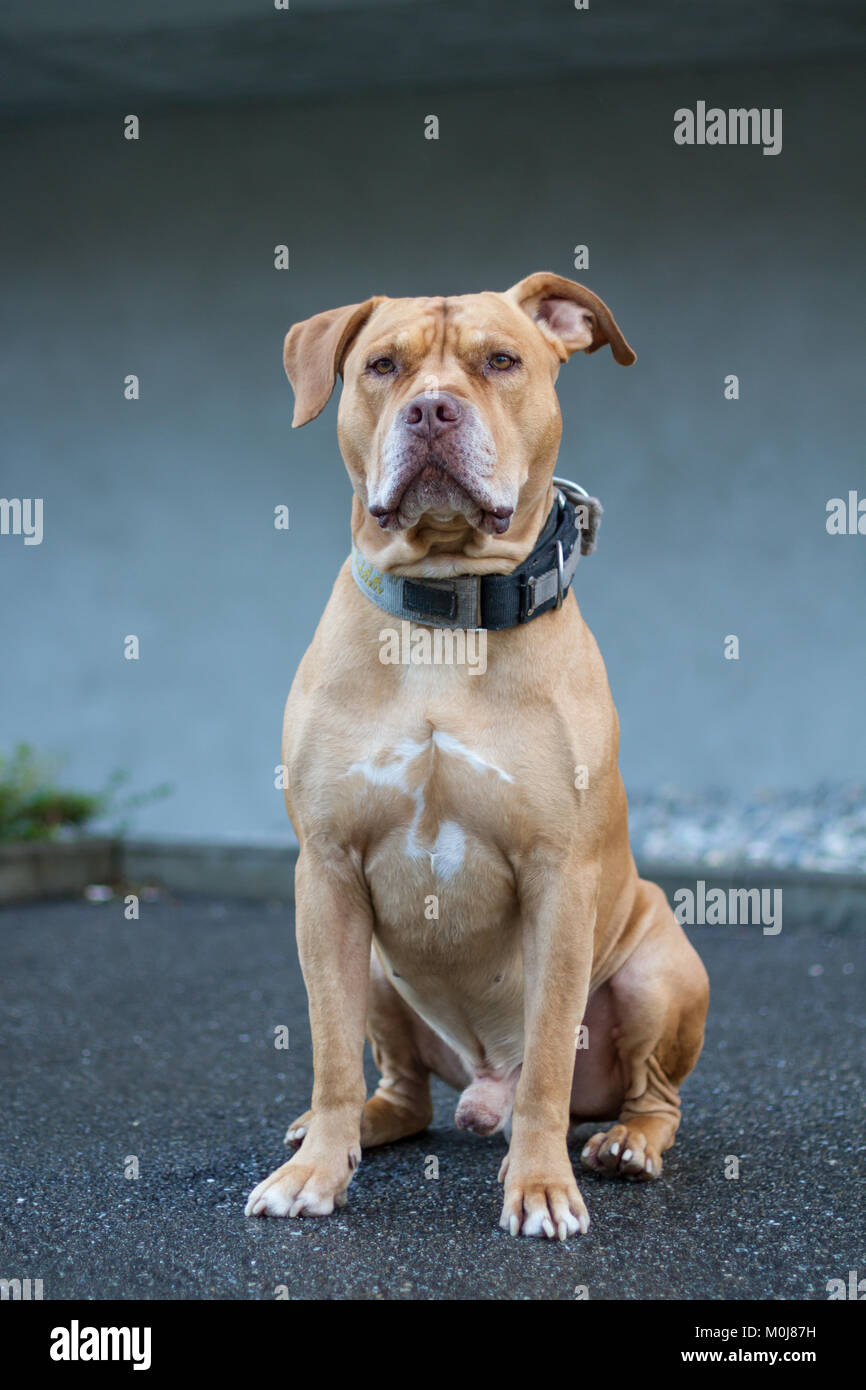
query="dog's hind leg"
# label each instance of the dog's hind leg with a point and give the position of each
(659, 1001)
(401, 1104)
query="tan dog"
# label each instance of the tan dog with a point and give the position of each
(439, 816)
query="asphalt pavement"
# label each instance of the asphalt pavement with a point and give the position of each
(144, 1096)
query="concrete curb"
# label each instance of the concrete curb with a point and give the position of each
(261, 873)
(838, 901)
(253, 872)
(56, 869)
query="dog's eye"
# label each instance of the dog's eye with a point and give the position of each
(382, 365)
(502, 361)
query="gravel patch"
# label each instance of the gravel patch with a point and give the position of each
(823, 829)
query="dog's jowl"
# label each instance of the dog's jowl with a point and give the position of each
(462, 897)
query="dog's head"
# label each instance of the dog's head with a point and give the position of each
(449, 422)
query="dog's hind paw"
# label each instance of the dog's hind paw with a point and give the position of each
(622, 1152)
(297, 1129)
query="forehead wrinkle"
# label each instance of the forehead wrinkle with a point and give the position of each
(478, 322)
(444, 330)
(411, 341)
(426, 338)
(472, 341)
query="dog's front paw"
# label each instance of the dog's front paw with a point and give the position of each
(304, 1188)
(546, 1203)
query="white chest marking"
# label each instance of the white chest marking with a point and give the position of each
(449, 744)
(449, 848)
(391, 774)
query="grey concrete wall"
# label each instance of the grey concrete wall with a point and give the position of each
(156, 258)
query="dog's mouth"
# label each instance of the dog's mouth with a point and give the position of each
(433, 490)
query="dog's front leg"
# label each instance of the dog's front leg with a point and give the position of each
(541, 1195)
(334, 927)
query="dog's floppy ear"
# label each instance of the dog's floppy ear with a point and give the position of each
(313, 354)
(570, 316)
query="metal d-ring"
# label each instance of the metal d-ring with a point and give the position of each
(569, 487)
(575, 494)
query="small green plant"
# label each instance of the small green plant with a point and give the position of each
(34, 807)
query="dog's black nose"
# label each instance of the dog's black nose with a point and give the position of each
(432, 415)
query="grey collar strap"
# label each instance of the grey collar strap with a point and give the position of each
(495, 601)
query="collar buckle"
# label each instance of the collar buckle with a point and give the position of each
(540, 585)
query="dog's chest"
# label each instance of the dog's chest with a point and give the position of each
(429, 802)
(442, 886)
